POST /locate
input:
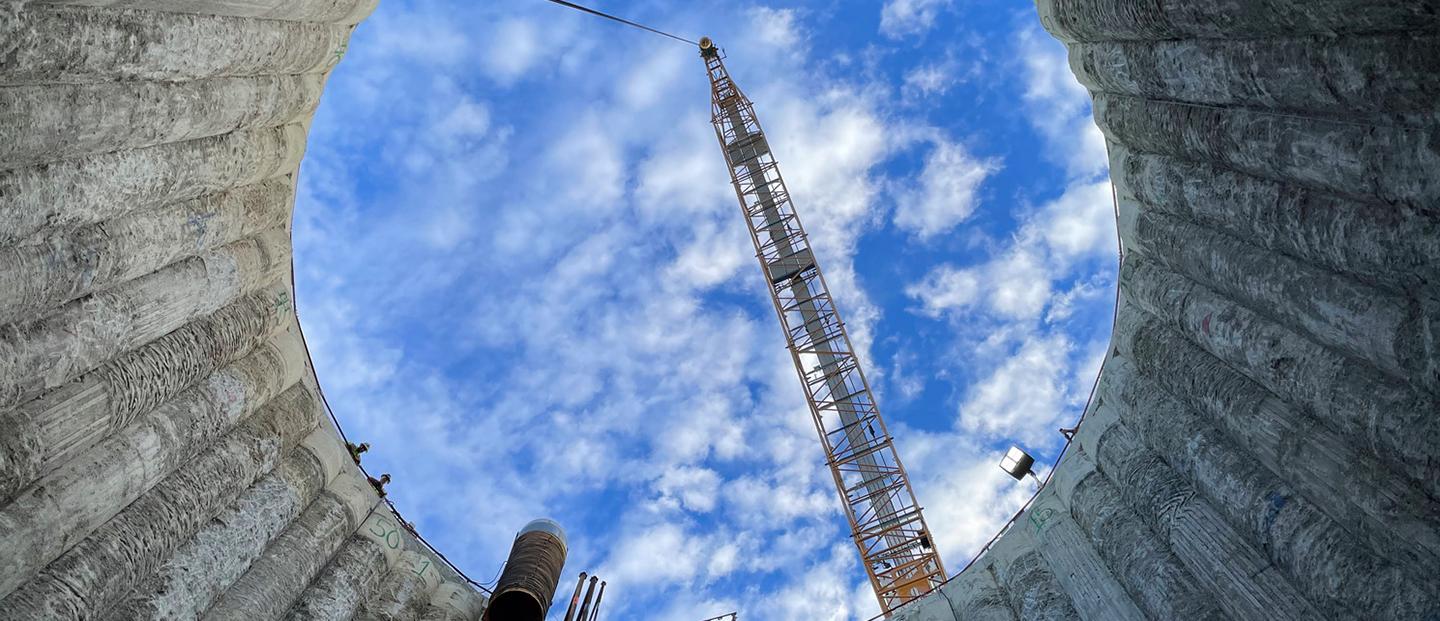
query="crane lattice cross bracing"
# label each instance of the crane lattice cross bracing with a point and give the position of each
(885, 520)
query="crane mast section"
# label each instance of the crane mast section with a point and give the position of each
(886, 522)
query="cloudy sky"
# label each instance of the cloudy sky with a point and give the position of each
(526, 282)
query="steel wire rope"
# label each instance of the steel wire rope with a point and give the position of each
(622, 20)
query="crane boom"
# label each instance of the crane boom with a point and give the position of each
(885, 520)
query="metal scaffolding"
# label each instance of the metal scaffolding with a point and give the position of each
(885, 520)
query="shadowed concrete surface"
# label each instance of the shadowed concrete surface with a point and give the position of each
(1262, 443)
(165, 451)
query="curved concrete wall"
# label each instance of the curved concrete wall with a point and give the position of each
(1262, 443)
(164, 451)
(1263, 440)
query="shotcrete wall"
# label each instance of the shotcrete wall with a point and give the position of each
(1264, 442)
(164, 450)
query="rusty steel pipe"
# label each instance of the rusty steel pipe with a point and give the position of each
(527, 585)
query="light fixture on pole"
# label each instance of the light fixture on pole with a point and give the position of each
(1018, 464)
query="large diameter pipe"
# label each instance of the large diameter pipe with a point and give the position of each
(532, 573)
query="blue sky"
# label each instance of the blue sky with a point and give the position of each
(526, 283)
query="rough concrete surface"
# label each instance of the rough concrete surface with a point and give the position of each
(166, 453)
(1262, 443)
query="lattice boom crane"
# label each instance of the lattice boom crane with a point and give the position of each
(885, 520)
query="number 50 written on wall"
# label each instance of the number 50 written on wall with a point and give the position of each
(384, 530)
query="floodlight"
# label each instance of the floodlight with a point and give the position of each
(1017, 463)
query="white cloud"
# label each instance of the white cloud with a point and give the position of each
(1059, 106)
(658, 555)
(587, 163)
(762, 503)
(947, 191)
(1018, 282)
(691, 606)
(1081, 222)
(967, 497)
(447, 227)
(821, 593)
(682, 180)
(1016, 285)
(690, 488)
(421, 38)
(947, 288)
(907, 383)
(930, 79)
(1027, 335)
(777, 27)
(713, 257)
(465, 122)
(515, 46)
(827, 145)
(1024, 395)
(902, 18)
(646, 84)
(356, 364)
(1085, 291)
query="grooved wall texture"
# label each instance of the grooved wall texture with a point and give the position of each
(164, 451)
(1264, 442)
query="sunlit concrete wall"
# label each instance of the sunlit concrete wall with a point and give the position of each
(164, 452)
(1265, 439)
(1263, 443)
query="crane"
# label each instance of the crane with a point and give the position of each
(885, 520)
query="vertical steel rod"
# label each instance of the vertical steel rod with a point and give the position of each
(585, 604)
(575, 599)
(595, 614)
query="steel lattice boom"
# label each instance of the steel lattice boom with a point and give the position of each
(885, 520)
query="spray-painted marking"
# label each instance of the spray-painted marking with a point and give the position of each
(1205, 324)
(282, 301)
(1277, 502)
(339, 53)
(200, 222)
(386, 530)
(1041, 518)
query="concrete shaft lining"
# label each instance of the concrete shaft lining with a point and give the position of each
(166, 451)
(1262, 442)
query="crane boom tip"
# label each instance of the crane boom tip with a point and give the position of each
(707, 47)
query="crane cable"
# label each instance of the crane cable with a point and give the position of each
(623, 21)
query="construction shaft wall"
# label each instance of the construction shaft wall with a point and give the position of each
(164, 449)
(1262, 443)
